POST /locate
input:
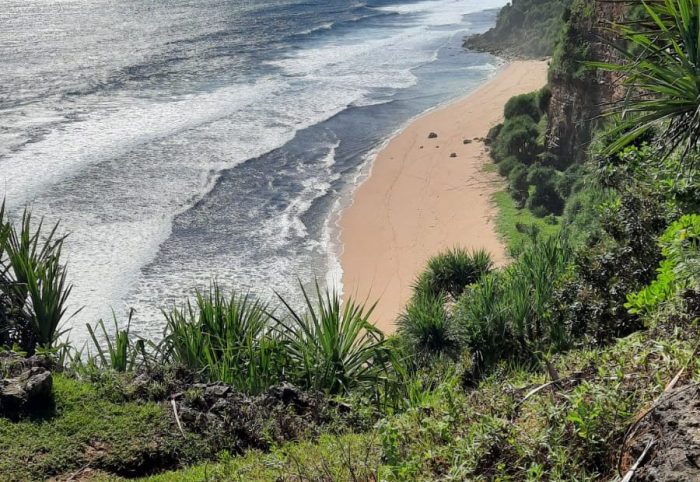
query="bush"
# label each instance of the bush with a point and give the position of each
(679, 270)
(507, 165)
(523, 105)
(544, 97)
(570, 181)
(493, 135)
(617, 261)
(517, 184)
(33, 284)
(508, 314)
(518, 138)
(451, 271)
(539, 175)
(226, 337)
(333, 347)
(545, 200)
(427, 328)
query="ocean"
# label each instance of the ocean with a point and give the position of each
(180, 141)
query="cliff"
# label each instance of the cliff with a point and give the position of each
(578, 93)
(524, 29)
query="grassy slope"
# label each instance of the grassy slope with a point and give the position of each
(86, 429)
(510, 217)
(569, 431)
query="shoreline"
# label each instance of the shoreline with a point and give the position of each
(407, 206)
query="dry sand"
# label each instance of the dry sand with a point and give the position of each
(418, 200)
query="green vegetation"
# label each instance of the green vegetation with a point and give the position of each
(334, 347)
(532, 371)
(680, 247)
(448, 273)
(427, 328)
(121, 353)
(85, 428)
(661, 71)
(536, 180)
(228, 337)
(519, 226)
(516, 425)
(33, 281)
(524, 28)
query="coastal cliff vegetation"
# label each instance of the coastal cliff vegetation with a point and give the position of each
(524, 28)
(579, 360)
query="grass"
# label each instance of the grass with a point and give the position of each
(512, 223)
(86, 429)
(353, 457)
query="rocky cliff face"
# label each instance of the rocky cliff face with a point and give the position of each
(578, 94)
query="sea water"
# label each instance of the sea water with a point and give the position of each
(185, 141)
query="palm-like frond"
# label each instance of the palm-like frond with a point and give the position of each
(662, 72)
(333, 346)
(228, 338)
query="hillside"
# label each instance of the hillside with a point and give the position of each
(525, 28)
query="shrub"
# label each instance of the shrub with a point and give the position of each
(333, 347)
(427, 328)
(539, 175)
(508, 315)
(491, 138)
(451, 271)
(679, 270)
(227, 338)
(545, 200)
(517, 184)
(617, 261)
(480, 315)
(570, 181)
(523, 105)
(544, 96)
(507, 165)
(518, 138)
(33, 279)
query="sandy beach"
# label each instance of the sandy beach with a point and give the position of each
(419, 199)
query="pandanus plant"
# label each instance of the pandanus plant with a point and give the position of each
(33, 277)
(661, 68)
(333, 346)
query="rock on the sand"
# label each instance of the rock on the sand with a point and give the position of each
(432, 135)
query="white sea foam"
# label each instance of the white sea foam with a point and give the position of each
(127, 164)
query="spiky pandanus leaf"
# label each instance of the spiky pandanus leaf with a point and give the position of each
(332, 346)
(661, 65)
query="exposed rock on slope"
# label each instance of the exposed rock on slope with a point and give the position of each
(674, 428)
(579, 94)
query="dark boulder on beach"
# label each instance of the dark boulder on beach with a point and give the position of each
(432, 135)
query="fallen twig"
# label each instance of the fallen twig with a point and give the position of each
(177, 417)
(630, 473)
(633, 427)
